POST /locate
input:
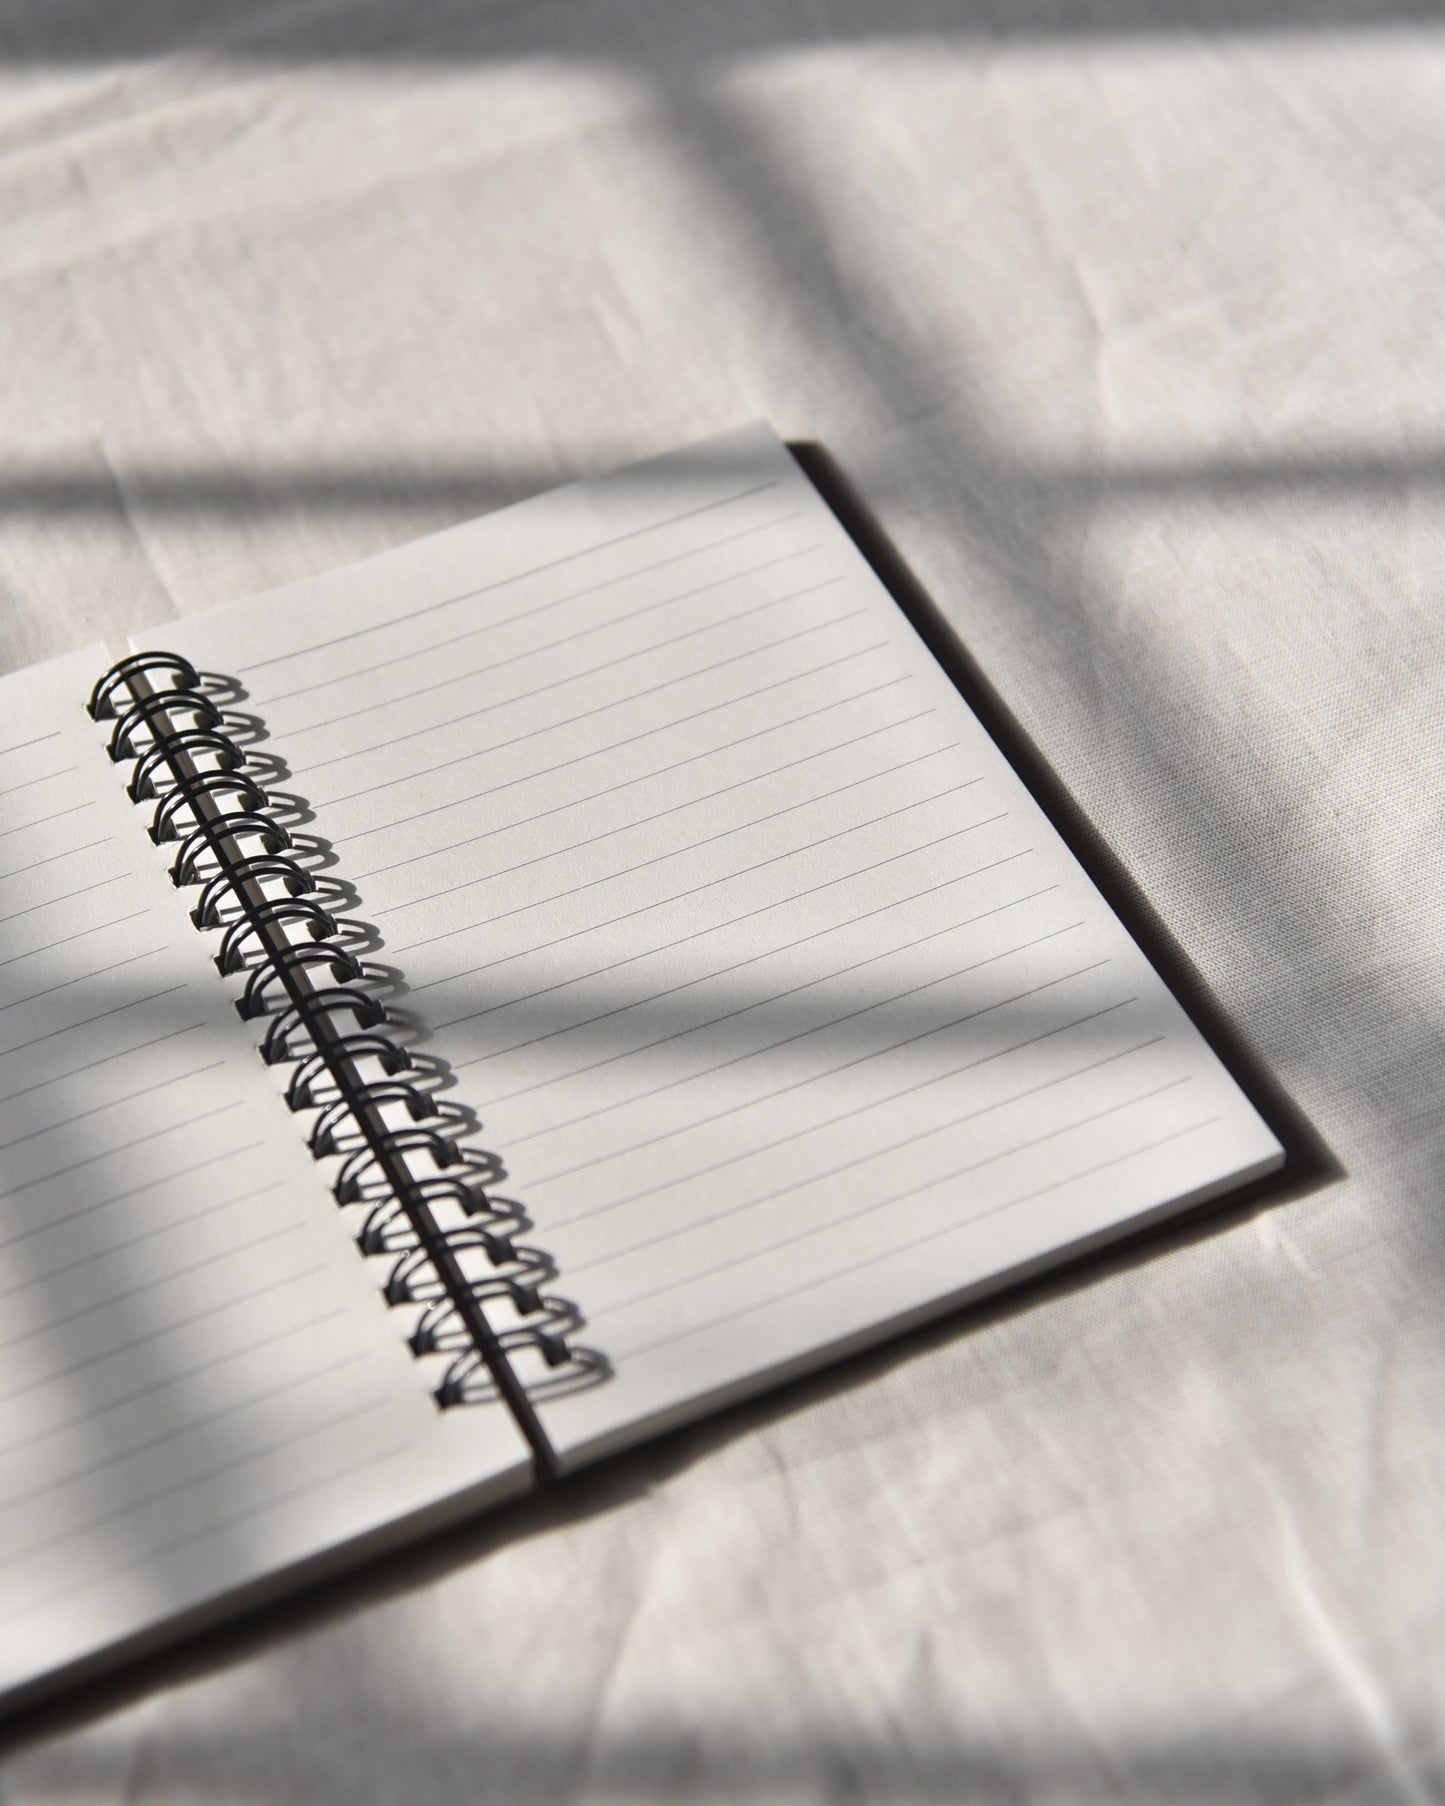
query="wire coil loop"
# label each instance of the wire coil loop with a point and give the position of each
(429, 1207)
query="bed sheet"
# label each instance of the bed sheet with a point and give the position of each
(1123, 322)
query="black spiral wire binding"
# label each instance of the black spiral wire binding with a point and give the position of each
(429, 1202)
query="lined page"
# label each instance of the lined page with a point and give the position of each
(789, 1011)
(198, 1382)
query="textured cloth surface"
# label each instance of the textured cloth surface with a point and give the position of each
(1125, 322)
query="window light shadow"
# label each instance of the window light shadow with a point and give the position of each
(446, 31)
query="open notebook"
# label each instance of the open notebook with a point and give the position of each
(635, 818)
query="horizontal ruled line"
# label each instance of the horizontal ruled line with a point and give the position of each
(930, 1133)
(41, 820)
(39, 740)
(171, 1491)
(877, 1053)
(212, 1207)
(776, 996)
(212, 1526)
(692, 802)
(598, 752)
(658, 771)
(80, 978)
(718, 883)
(80, 934)
(177, 1431)
(694, 846)
(494, 665)
(119, 1147)
(53, 1034)
(157, 1282)
(903, 1247)
(65, 896)
(120, 1053)
(416, 614)
(150, 1185)
(631, 657)
(530, 615)
(194, 1368)
(714, 1021)
(16, 871)
(942, 1028)
(853, 1216)
(45, 777)
(179, 1323)
(552, 727)
(730, 702)
(94, 1110)
(825, 1072)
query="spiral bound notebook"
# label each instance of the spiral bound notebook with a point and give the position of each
(662, 985)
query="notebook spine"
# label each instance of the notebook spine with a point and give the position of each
(427, 1201)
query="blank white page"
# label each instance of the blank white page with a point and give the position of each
(790, 1013)
(199, 1384)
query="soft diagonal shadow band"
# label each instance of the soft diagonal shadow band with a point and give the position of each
(345, 488)
(441, 31)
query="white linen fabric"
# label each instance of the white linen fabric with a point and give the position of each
(1124, 320)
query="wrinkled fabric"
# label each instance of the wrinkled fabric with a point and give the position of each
(1124, 323)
